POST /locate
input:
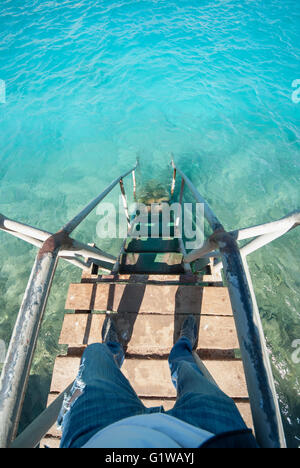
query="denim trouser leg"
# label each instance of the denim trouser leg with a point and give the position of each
(199, 401)
(101, 395)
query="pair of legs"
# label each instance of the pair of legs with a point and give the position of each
(101, 394)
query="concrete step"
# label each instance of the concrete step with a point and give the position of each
(150, 334)
(151, 377)
(152, 245)
(145, 298)
(151, 263)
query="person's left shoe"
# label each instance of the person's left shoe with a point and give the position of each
(189, 330)
(109, 331)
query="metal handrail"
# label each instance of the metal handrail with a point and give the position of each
(37, 237)
(264, 234)
(208, 212)
(16, 369)
(260, 383)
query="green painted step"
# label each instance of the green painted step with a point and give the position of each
(153, 230)
(155, 216)
(152, 263)
(152, 245)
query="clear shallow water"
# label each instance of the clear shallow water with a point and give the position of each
(91, 85)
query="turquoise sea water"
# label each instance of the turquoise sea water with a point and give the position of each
(92, 84)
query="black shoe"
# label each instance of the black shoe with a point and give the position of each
(109, 331)
(189, 330)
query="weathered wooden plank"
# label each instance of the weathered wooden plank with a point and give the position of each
(138, 371)
(148, 334)
(145, 298)
(186, 278)
(245, 410)
(216, 301)
(217, 332)
(65, 371)
(80, 296)
(151, 378)
(167, 404)
(230, 377)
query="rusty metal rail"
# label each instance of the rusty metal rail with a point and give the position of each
(16, 369)
(263, 399)
(264, 234)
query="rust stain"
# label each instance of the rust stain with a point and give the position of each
(57, 240)
(220, 236)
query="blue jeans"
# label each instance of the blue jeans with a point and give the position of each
(101, 395)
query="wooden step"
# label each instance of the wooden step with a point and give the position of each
(152, 245)
(149, 334)
(183, 279)
(151, 263)
(145, 298)
(151, 377)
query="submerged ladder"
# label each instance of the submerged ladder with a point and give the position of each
(149, 288)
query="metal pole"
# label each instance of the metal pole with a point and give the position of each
(207, 248)
(264, 405)
(134, 185)
(25, 232)
(8, 225)
(261, 241)
(284, 224)
(123, 194)
(173, 182)
(71, 225)
(258, 243)
(209, 214)
(30, 240)
(78, 248)
(15, 373)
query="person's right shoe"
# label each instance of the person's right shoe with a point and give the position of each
(189, 330)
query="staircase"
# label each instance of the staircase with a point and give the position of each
(150, 291)
(150, 294)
